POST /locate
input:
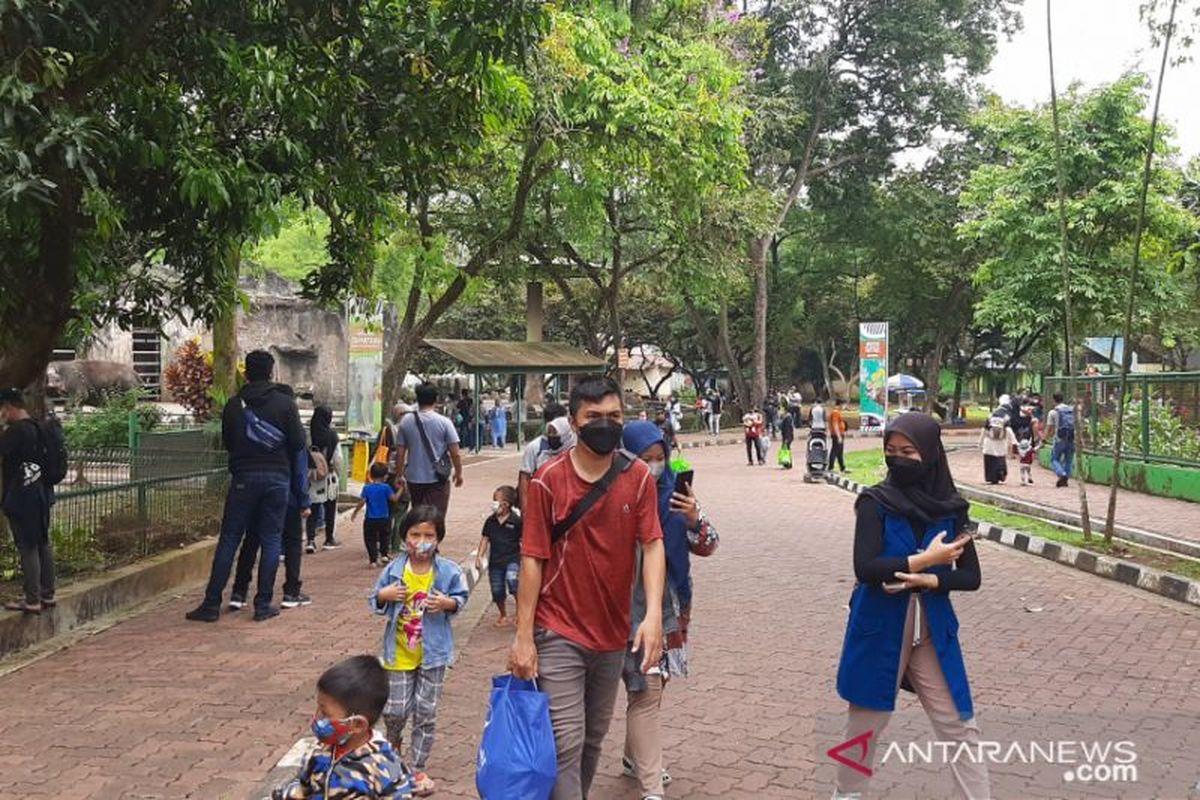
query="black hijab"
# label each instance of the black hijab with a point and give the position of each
(323, 436)
(934, 497)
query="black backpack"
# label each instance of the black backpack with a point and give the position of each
(52, 450)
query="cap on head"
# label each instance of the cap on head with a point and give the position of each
(259, 365)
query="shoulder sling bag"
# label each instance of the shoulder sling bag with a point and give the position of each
(621, 462)
(441, 466)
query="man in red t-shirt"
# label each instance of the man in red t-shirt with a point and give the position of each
(573, 595)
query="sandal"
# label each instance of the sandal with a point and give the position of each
(423, 785)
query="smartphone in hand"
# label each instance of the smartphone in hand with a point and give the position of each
(683, 480)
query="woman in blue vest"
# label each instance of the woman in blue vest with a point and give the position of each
(910, 552)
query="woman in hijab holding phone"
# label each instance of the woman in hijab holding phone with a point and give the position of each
(686, 533)
(911, 550)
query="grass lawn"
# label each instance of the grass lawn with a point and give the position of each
(866, 466)
(1151, 558)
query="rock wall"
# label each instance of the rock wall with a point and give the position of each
(310, 343)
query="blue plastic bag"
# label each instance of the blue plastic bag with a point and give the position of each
(517, 758)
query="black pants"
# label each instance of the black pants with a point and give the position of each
(32, 537)
(330, 512)
(837, 453)
(376, 535)
(431, 494)
(293, 551)
(754, 449)
(995, 469)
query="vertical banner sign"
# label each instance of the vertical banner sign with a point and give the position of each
(365, 375)
(873, 374)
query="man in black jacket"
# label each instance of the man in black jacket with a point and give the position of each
(262, 432)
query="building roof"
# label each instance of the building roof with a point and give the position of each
(1103, 345)
(490, 356)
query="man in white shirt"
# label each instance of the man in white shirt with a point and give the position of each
(530, 458)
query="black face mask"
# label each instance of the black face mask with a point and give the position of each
(601, 436)
(905, 472)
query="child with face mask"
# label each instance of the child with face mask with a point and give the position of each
(348, 762)
(418, 592)
(502, 536)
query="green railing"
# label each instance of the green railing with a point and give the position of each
(1162, 415)
(118, 505)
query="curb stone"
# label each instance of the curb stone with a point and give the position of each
(1166, 584)
(709, 442)
(1172, 544)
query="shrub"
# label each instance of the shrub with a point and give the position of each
(1169, 436)
(189, 379)
(108, 426)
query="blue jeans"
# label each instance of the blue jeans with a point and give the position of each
(1061, 457)
(501, 577)
(257, 502)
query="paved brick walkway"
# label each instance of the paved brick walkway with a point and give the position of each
(156, 708)
(1158, 514)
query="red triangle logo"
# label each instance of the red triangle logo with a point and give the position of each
(862, 744)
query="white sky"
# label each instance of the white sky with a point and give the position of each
(1095, 41)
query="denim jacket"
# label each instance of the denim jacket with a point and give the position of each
(437, 637)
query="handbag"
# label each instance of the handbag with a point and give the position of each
(517, 757)
(441, 466)
(260, 431)
(383, 451)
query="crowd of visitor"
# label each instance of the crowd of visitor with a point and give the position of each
(593, 541)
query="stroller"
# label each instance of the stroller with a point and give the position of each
(816, 456)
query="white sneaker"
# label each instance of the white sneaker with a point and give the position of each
(627, 769)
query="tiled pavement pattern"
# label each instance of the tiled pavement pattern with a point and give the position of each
(1177, 518)
(159, 708)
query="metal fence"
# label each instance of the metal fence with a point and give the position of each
(1162, 415)
(120, 504)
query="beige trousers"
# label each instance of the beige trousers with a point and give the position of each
(643, 735)
(920, 663)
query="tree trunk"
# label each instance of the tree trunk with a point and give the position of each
(396, 369)
(40, 297)
(1085, 517)
(741, 387)
(614, 333)
(1127, 327)
(718, 346)
(825, 368)
(757, 389)
(224, 330)
(535, 317)
(933, 372)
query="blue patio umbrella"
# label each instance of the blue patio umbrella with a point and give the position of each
(904, 383)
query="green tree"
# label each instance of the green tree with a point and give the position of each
(661, 140)
(1012, 216)
(148, 143)
(847, 84)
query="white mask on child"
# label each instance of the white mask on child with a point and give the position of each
(495, 506)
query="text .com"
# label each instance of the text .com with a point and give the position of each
(1082, 761)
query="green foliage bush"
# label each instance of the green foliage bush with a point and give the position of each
(108, 426)
(1169, 436)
